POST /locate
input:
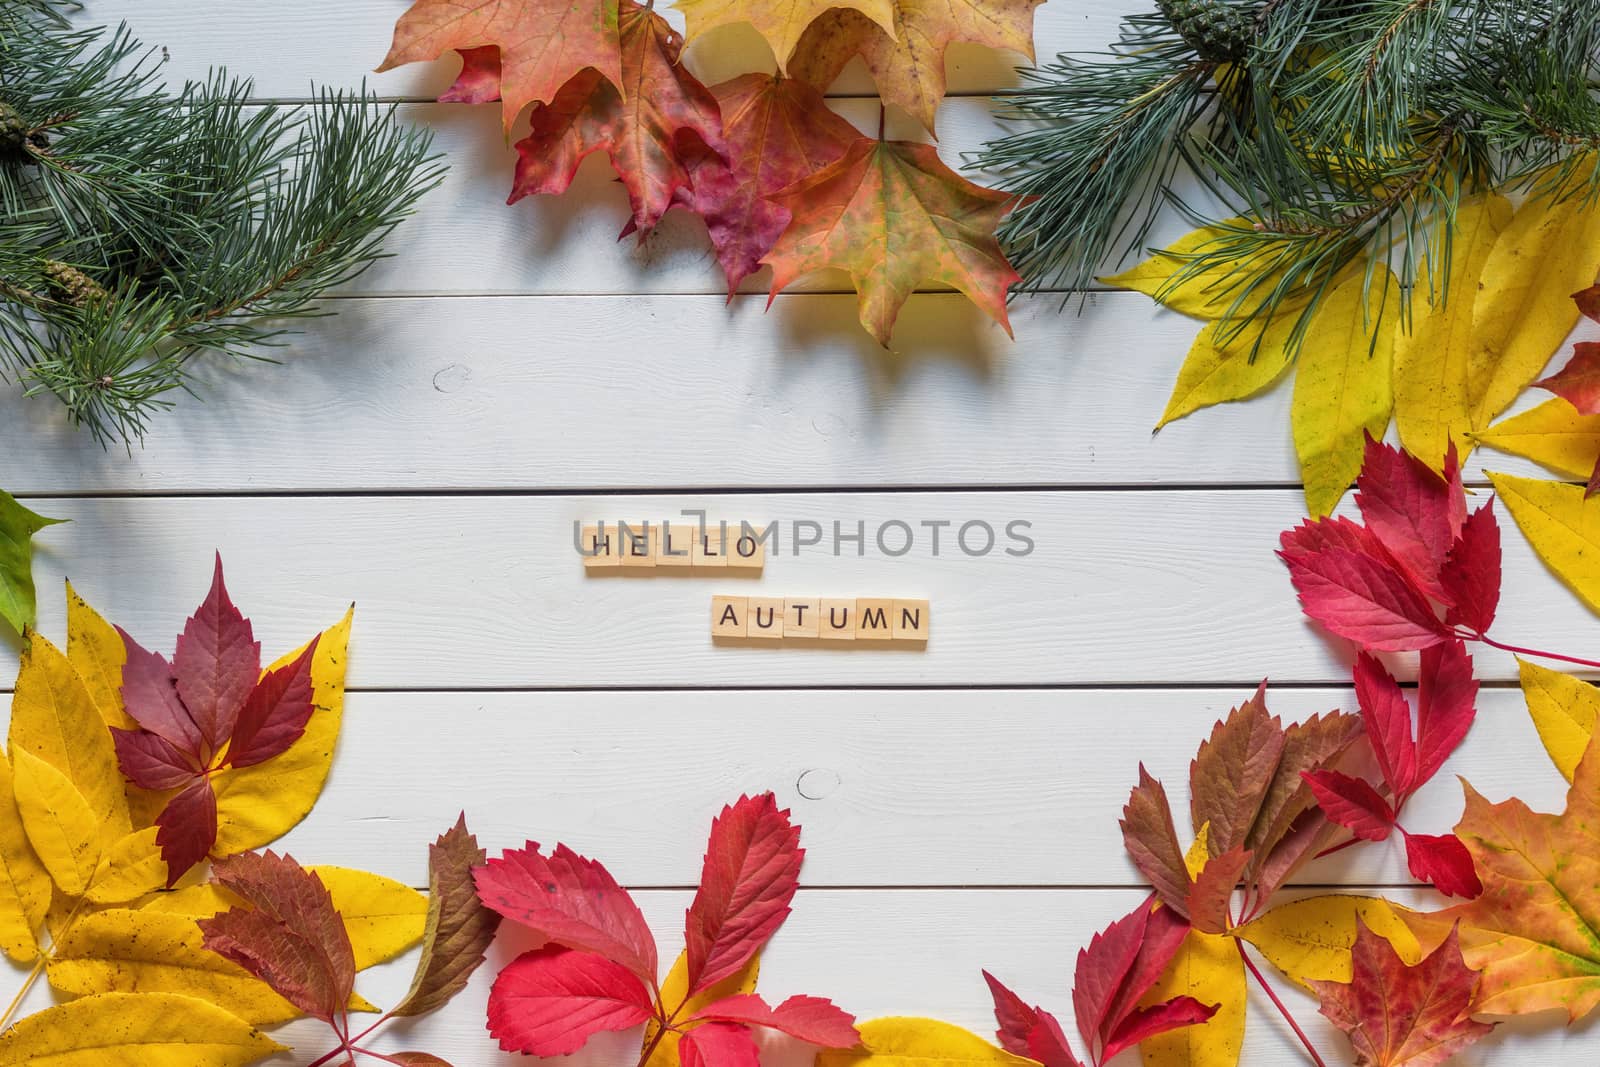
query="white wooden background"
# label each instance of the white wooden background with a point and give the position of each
(512, 369)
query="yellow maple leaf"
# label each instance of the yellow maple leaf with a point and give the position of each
(1562, 526)
(781, 22)
(900, 1041)
(1553, 435)
(1564, 711)
(1310, 940)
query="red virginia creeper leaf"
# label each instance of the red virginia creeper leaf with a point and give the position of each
(287, 932)
(1365, 599)
(1447, 705)
(459, 928)
(751, 871)
(1160, 1018)
(813, 1019)
(1230, 775)
(1308, 745)
(1027, 1031)
(550, 1001)
(1408, 509)
(275, 714)
(1388, 720)
(778, 131)
(719, 1045)
(1102, 969)
(1399, 1016)
(639, 124)
(1352, 803)
(1443, 862)
(187, 828)
(150, 694)
(1213, 890)
(1152, 842)
(150, 761)
(1578, 383)
(217, 663)
(1164, 934)
(1588, 302)
(572, 901)
(1471, 575)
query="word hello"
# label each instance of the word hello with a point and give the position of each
(670, 548)
(761, 619)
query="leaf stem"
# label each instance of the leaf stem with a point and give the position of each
(883, 114)
(16, 1001)
(1519, 650)
(1283, 1009)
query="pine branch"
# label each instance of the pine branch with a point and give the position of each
(141, 228)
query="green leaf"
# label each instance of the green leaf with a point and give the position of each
(17, 527)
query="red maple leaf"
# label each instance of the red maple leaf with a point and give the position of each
(1115, 971)
(1400, 1016)
(210, 708)
(597, 971)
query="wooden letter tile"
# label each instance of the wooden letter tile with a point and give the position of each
(912, 620)
(674, 545)
(746, 551)
(838, 620)
(604, 549)
(802, 618)
(766, 619)
(728, 616)
(635, 542)
(873, 619)
(707, 549)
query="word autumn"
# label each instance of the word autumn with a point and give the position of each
(670, 547)
(774, 619)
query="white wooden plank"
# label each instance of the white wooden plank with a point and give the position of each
(901, 952)
(613, 392)
(487, 591)
(1022, 787)
(291, 44)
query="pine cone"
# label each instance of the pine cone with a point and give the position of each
(1218, 30)
(13, 131)
(70, 285)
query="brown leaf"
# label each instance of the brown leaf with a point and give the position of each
(1308, 746)
(459, 926)
(1232, 772)
(1152, 842)
(288, 933)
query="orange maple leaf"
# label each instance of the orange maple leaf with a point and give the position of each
(894, 216)
(1535, 931)
(543, 43)
(908, 63)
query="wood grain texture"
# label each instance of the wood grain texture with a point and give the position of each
(488, 591)
(626, 392)
(1023, 787)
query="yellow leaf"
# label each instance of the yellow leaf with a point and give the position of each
(1309, 940)
(906, 1042)
(1553, 435)
(1208, 294)
(131, 868)
(96, 650)
(1207, 967)
(1564, 709)
(1432, 401)
(1562, 527)
(124, 951)
(382, 916)
(54, 718)
(24, 883)
(676, 988)
(1524, 308)
(134, 1030)
(1236, 369)
(257, 805)
(64, 830)
(1343, 385)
